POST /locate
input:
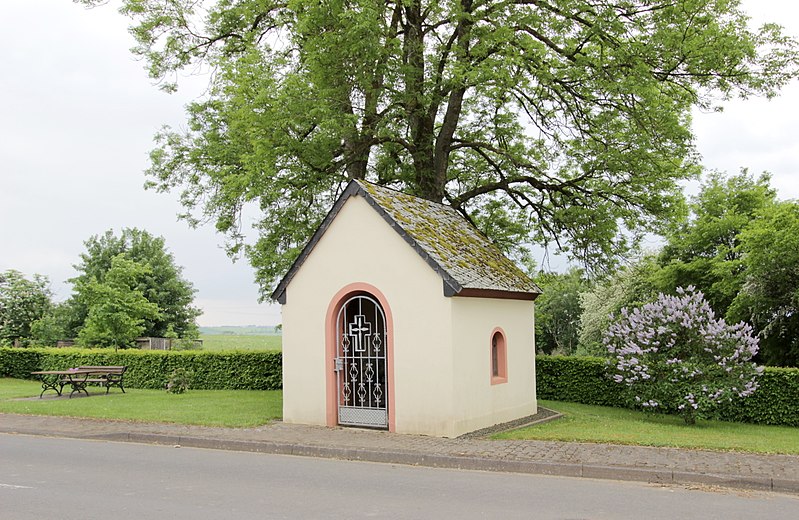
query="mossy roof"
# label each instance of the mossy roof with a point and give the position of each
(467, 261)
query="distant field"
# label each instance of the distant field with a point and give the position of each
(238, 330)
(236, 342)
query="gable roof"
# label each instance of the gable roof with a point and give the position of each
(468, 263)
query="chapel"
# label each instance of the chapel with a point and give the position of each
(400, 315)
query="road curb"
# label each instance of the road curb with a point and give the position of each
(413, 458)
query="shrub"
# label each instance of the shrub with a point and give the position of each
(585, 380)
(178, 381)
(674, 354)
(229, 370)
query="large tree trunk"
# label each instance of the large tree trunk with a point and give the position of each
(431, 152)
(421, 122)
(356, 152)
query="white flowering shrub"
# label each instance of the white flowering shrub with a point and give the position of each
(676, 356)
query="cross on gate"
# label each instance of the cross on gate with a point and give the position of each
(360, 329)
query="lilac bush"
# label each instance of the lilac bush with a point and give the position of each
(676, 356)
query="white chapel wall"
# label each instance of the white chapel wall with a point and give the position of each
(478, 403)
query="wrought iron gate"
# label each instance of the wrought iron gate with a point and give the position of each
(360, 363)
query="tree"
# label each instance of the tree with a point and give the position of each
(556, 121)
(22, 302)
(631, 286)
(160, 282)
(705, 251)
(54, 325)
(558, 310)
(677, 356)
(118, 310)
(769, 298)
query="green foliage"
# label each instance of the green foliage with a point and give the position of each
(769, 298)
(705, 251)
(151, 369)
(53, 326)
(558, 311)
(740, 248)
(158, 280)
(675, 355)
(560, 123)
(776, 401)
(578, 379)
(178, 381)
(118, 310)
(20, 362)
(22, 302)
(586, 380)
(176, 343)
(630, 286)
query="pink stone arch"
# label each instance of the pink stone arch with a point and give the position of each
(330, 347)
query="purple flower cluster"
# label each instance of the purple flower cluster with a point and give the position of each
(676, 354)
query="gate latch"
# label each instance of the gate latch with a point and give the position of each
(339, 364)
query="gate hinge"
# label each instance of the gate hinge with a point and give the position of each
(338, 364)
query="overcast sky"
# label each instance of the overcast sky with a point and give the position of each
(77, 117)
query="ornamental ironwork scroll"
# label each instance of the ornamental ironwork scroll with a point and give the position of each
(360, 363)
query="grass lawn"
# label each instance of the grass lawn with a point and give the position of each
(585, 423)
(231, 408)
(246, 408)
(241, 342)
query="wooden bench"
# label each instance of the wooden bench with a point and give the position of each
(79, 377)
(106, 376)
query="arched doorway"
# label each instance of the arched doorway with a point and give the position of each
(341, 312)
(361, 362)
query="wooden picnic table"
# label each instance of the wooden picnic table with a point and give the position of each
(77, 378)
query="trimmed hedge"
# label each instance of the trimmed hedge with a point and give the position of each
(229, 370)
(584, 380)
(576, 379)
(776, 401)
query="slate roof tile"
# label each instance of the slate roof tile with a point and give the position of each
(452, 242)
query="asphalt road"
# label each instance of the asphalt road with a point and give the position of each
(43, 478)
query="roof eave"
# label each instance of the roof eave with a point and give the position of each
(501, 294)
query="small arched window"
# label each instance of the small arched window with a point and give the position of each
(499, 357)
